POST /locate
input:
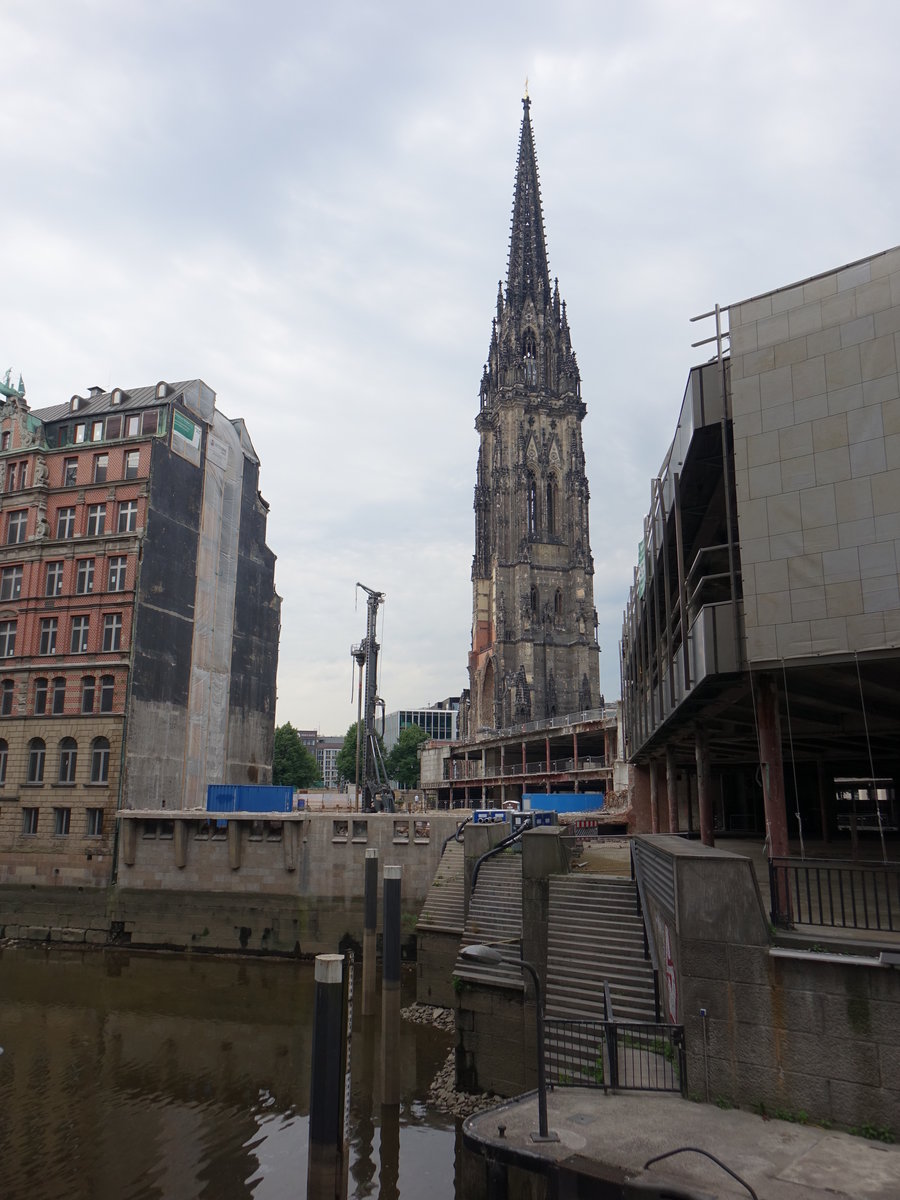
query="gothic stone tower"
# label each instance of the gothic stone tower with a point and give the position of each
(534, 648)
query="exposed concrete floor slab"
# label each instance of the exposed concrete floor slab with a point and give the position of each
(780, 1161)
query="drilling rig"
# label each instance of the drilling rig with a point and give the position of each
(377, 794)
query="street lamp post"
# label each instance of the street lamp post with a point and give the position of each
(490, 954)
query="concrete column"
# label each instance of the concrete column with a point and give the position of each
(370, 927)
(180, 840)
(672, 789)
(235, 838)
(390, 987)
(325, 1168)
(824, 797)
(769, 723)
(704, 791)
(654, 798)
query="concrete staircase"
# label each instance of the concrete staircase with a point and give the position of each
(594, 935)
(445, 905)
(495, 915)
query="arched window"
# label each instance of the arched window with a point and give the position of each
(529, 357)
(107, 692)
(558, 604)
(68, 758)
(36, 752)
(40, 696)
(4, 755)
(551, 505)
(88, 688)
(100, 760)
(532, 501)
(6, 697)
(535, 601)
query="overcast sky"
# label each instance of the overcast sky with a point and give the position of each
(307, 205)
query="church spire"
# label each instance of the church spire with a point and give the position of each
(528, 273)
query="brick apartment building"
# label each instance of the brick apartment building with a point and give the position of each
(138, 619)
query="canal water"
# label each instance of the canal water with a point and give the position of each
(153, 1077)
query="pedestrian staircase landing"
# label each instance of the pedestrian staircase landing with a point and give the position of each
(594, 936)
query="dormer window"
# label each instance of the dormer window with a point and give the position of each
(118, 395)
(162, 390)
(75, 403)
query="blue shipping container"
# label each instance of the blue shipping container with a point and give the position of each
(564, 802)
(247, 797)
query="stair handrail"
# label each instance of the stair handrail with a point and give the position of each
(649, 944)
(507, 841)
(454, 837)
(607, 1002)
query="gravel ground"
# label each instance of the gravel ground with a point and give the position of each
(442, 1093)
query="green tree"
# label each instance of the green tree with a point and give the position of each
(346, 756)
(403, 761)
(292, 764)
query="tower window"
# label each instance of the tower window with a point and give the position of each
(529, 357)
(532, 501)
(551, 506)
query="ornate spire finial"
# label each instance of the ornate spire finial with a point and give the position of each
(526, 99)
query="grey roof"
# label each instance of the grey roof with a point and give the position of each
(133, 398)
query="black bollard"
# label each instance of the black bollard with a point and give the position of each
(390, 988)
(370, 926)
(325, 1174)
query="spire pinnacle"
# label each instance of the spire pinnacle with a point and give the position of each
(528, 274)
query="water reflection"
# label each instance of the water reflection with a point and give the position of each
(129, 1077)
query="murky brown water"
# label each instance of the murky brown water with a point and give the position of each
(138, 1077)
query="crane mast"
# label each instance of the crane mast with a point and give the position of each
(377, 794)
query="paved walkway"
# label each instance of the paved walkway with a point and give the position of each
(612, 1136)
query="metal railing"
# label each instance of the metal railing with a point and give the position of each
(839, 894)
(641, 1056)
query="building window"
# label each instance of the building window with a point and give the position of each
(40, 696)
(49, 626)
(4, 440)
(80, 630)
(531, 500)
(10, 583)
(84, 579)
(70, 472)
(100, 760)
(150, 421)
(68, 759)
(97, 431)
(16, 474)
(29, 822)
(132, 426)
(4, 756)
(112, 632)
(551, 506)
(88, 685)
(132, 463)
(65, 523)
(128, 510)
(107, 693)
(17, 526)
(94, 822)
(7, 639)
(59, 695)
(7, 692)
(116, 580)
(113, 427)
(80, 430)
(61, 820)
(36, 753)
(558, 604)
(96, 521)
(53, 583)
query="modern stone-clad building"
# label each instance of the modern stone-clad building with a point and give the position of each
(761, 639)
(139, 621)
(534, 650)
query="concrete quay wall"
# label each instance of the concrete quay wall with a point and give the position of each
(185, 883)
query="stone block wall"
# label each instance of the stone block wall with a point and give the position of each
(816, 410)
(496, 1040)
(791, 1030)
